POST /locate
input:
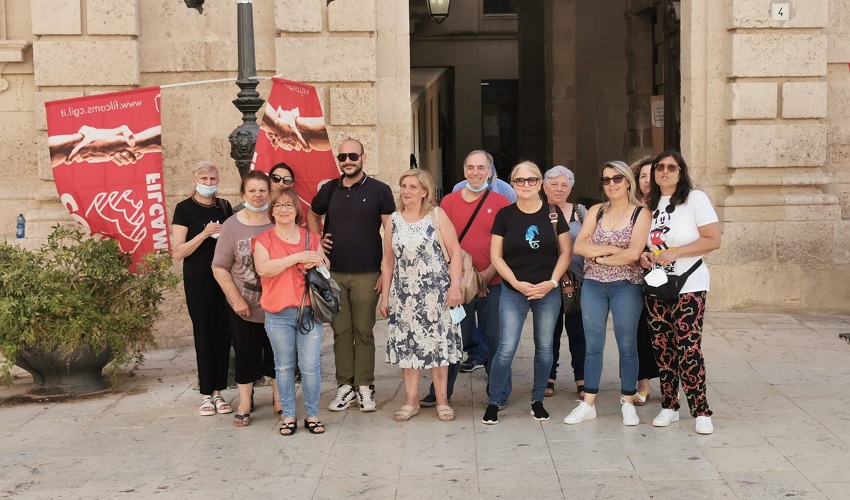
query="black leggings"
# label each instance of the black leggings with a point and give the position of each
(208, 311)
(254, 356)
(575, 336)
(647, 367)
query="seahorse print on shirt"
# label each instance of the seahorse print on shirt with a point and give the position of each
(530, 233)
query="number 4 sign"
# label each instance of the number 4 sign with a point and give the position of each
(780, 11)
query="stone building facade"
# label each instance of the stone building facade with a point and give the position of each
(764, 108)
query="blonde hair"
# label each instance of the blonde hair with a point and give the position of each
(533, 168)
(427, 182)
(626, 172)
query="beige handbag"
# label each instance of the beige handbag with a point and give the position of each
(470, 281)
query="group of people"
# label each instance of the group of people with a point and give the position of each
(244, 282)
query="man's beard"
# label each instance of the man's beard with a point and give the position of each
(357, 170)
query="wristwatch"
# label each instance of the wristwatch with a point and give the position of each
(554, 282)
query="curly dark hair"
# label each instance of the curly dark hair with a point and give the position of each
(683, 187)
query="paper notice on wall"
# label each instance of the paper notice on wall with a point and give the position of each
(491, 126)
(657, 107)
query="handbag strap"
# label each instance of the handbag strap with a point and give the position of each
(300, 320)
(469, 224)
(439, 236)
(690, 271)
(553, 217)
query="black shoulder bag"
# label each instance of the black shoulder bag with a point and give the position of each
(324, 297)
(669, 292)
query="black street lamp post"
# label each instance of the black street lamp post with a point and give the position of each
(248, 101)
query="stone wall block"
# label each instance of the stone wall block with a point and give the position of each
(112, 17)
(804, 243)
(751, 100)
(746, 242)
(70, 63)
(353, 106)
(171, 57)
(779, 145)
(327, 59)
(817, 296)
(804, 100)
(758, 285)
(757, 14)
(299, 16)
(56, 17)
(43, 97)
(352, 16)
(777, 54)
(839, 48)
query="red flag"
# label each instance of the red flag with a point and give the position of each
(107, 162)
(293, 131)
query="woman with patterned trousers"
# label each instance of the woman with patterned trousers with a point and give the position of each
(684, 229)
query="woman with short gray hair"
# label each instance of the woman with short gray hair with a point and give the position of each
(558, 183)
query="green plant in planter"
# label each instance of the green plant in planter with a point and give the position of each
(77, 292)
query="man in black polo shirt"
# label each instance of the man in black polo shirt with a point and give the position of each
(355, 207)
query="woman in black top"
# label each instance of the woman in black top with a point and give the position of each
(194, 229)
(525, 251)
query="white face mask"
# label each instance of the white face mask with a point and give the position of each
(479, 188)
(206, 191)
(255, 209)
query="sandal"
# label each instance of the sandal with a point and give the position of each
(241, 420)
(289, 428)
(445, 413)
(405, 413)
(207, 407)
(221, 406)
(314, 427)
(550, 389)
(641, 398)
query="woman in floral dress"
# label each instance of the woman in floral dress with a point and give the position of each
(422, 287)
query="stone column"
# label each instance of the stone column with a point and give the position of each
(360, 64)
(560, 32)
(532, 82)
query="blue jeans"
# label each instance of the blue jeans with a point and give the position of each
(286, 339)
(624, 300)
(513, 309)
(487, 311)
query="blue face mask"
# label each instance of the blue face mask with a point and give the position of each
(479, 189)
(255, 209)
(206, 191)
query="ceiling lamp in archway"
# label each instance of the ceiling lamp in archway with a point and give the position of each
(439, 10)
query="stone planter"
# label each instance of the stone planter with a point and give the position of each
(81, 372)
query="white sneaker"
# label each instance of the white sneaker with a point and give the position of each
(704, 425)
(581, 413)
(344, 398)
(666, 417)
(366, 397)
(630, 416)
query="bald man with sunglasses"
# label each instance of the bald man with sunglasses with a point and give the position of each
(355, 207)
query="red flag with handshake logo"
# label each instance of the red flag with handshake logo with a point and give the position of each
(292, 131)
(106, 153)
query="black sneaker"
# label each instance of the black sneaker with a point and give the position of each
(538, 412)
(491, 415)
(471, 364)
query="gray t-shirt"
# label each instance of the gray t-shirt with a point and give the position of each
(576, 219)
(233, 254)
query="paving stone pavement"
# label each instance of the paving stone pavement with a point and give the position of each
(779, 386)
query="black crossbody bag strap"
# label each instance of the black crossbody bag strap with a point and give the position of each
(299, 322)
(469, 224)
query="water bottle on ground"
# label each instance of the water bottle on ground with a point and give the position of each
(22, 226)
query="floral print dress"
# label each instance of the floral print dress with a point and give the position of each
(421, 332)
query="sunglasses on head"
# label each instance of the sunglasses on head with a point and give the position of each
(286, 180)
(522, 181)
(351, 156)
(670, 167)
(616, 179)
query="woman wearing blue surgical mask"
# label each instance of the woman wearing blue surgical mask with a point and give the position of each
(233, 268)
(194, 229)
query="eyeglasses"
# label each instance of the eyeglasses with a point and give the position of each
(351, 156)
(286, 180)
(283, 206)
(522, 181)
(670, 167)
(616, 179)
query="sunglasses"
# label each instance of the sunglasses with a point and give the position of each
(286, 180)
(522, 181)
(669, 167)
(351, 156)
(616, 179)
